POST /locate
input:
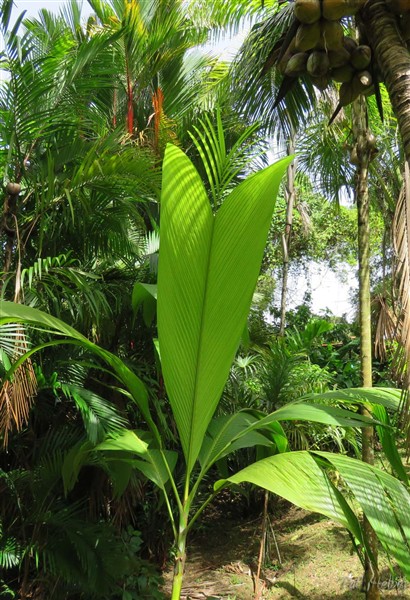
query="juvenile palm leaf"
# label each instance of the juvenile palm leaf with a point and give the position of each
(222, 167)
(299, 478)
(207, 273)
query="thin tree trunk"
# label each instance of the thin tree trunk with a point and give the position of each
(393, 59)
(364, 149)
(258, 589)
(290, 202)
(130, 100)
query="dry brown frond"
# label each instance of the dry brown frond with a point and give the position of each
(386, 327)
(401, 242)
(17, 394)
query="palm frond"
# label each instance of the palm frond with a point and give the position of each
(99, 416)
(255, 88)
(401, 242)
(223, 167)
(386, 327)
(10, 551)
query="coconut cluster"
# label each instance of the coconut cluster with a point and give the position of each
(321, 50)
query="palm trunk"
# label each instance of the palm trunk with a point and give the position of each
(364, 153)
(393, 59)
(290, 202)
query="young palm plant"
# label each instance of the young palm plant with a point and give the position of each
(208, 267)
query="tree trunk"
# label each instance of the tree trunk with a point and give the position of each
(393, 59)
(364, 150)
(290, 202)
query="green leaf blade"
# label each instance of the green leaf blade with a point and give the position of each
(208, 268)
(186, 234)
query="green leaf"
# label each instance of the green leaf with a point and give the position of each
(297, 477)
(126, 440)
(385, 502)
(120, 472)
(74, 460)
(318, 413)
(145, 294)
(208, 268)
(231, 432)
(388, 397)
(157, 466)
(11, 312)
(387, 437)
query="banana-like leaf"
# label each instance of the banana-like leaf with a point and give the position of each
(157, 466)
(297, 477)
(385, 502)
(388, 397)
(231, 432)
(387, 437)
(18, 313)
(228, 433)
(208, 268)
(74, 460)
(317, 413)
(126, 440)
(145, 294)
(120, 472)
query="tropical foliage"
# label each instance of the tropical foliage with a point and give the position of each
(135, 386)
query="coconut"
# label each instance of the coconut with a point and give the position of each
(338, 58)
(13, 188)
(318, 64)
(364, 78)
(307, 11)
(307, 36)
(296, 64)
(320, 82)
(361, 57)
(349, 44)
(332, 35)
(333, 10)
(348, 92)
(342, 74)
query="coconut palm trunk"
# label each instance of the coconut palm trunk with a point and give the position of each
(363, 151)
(393, 59)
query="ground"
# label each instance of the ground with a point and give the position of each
(311, 559)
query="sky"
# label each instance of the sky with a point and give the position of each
(33, 6)
(328, 291)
